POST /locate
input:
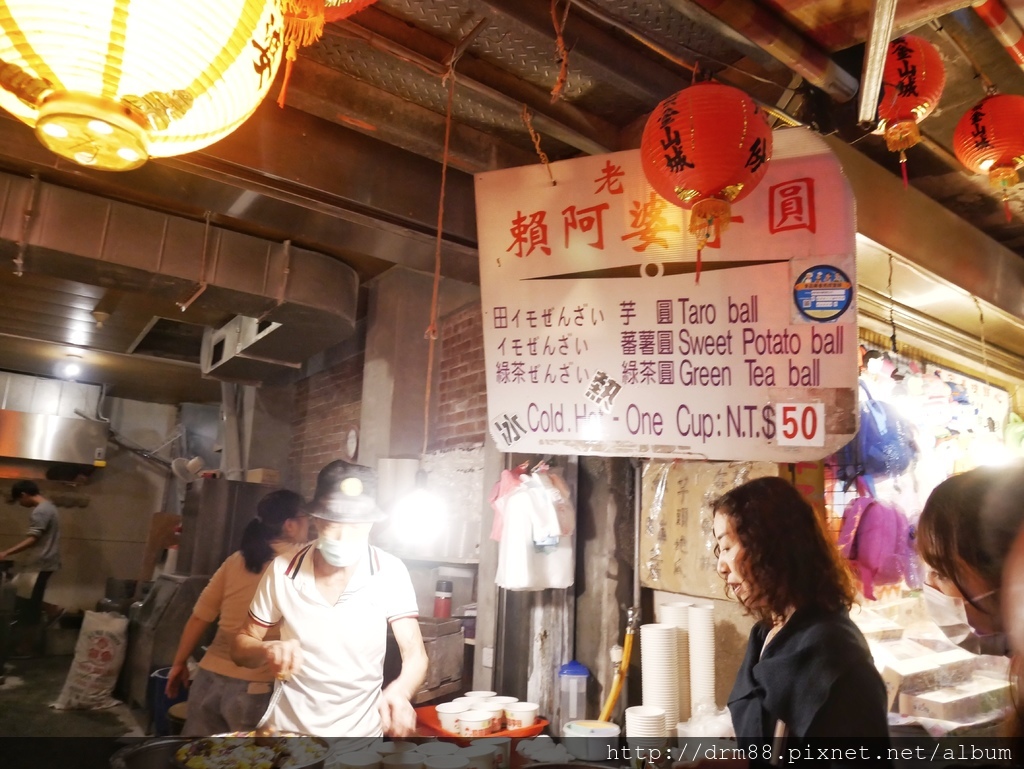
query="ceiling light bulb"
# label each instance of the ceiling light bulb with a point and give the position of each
(101, 127)
(127, 153)
(56, 130)
(85, 158)
(72, 370)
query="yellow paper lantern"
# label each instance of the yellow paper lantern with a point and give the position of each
(110, 83)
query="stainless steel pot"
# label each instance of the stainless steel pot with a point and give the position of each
(152, 754)
(242, 741)
(159, 753)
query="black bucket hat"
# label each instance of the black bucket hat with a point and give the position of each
(346, 493)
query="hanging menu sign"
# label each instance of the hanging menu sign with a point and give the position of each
(600, 338)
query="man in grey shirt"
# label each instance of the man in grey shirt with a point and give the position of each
(42, 543)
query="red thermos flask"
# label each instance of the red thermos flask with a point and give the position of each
(443, 599)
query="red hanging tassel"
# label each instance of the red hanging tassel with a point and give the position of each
(697, 270)
(289, 59)
(1006, 209)
(903, 169)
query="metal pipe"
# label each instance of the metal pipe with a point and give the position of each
(669, 56)
(785, 44)
(883, 13)
(638, 481)
(1004, 26)
(586, 136)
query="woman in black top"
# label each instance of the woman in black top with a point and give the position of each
(808, 677)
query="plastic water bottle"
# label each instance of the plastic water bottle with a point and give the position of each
(572, 684)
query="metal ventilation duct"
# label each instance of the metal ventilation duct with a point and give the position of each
(77, 236)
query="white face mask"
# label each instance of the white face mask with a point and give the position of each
(341, 553)
(948, 612)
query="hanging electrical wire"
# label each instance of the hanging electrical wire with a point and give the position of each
(431, 332)
(562, 56)
(981, 333)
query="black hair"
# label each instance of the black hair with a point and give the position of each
(970, 520)
(789, 558)
(272, 512)
(23, 487)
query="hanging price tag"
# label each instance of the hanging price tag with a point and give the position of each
(801, 424)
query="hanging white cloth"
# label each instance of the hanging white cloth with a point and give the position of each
(528, 511)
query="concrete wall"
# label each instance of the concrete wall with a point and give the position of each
(107, 536)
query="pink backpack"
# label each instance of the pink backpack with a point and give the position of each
(876, 539)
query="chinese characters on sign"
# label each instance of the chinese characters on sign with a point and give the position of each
(598, 341)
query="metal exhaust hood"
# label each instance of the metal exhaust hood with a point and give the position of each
(41, 420)
(50, 438)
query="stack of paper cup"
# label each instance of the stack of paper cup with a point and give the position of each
(645, 727)
(702, 659)
(678, 615)
(659, 668)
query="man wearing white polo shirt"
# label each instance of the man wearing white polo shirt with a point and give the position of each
(333, 602)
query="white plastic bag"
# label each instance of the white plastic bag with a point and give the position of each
(99, 654)
(521, 564)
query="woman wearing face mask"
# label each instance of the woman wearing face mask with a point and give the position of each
(963, 535)
(225, 697)
(333, 602)
(808, 674)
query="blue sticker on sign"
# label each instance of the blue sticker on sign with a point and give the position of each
(822, 293)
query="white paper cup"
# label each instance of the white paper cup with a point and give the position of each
(497, 711)
(479, 756)
(360, 759)
(519, 715)
(475, 723)
(502, 747)
(448, 715)
(401, 746)
(480, 695)
(446, 762)
(502, 700)
(469, 702)
(407, 759)
(438, 748)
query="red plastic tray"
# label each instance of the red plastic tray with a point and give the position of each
(428, 725)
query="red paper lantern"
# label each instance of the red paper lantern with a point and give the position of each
(912, 84)
(989, 139)
(704, 148)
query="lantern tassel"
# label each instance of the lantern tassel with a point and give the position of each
(708, 217)
(289, 59)
(903, 169)
(901, 136)
(303, 25)
(1006, 209)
